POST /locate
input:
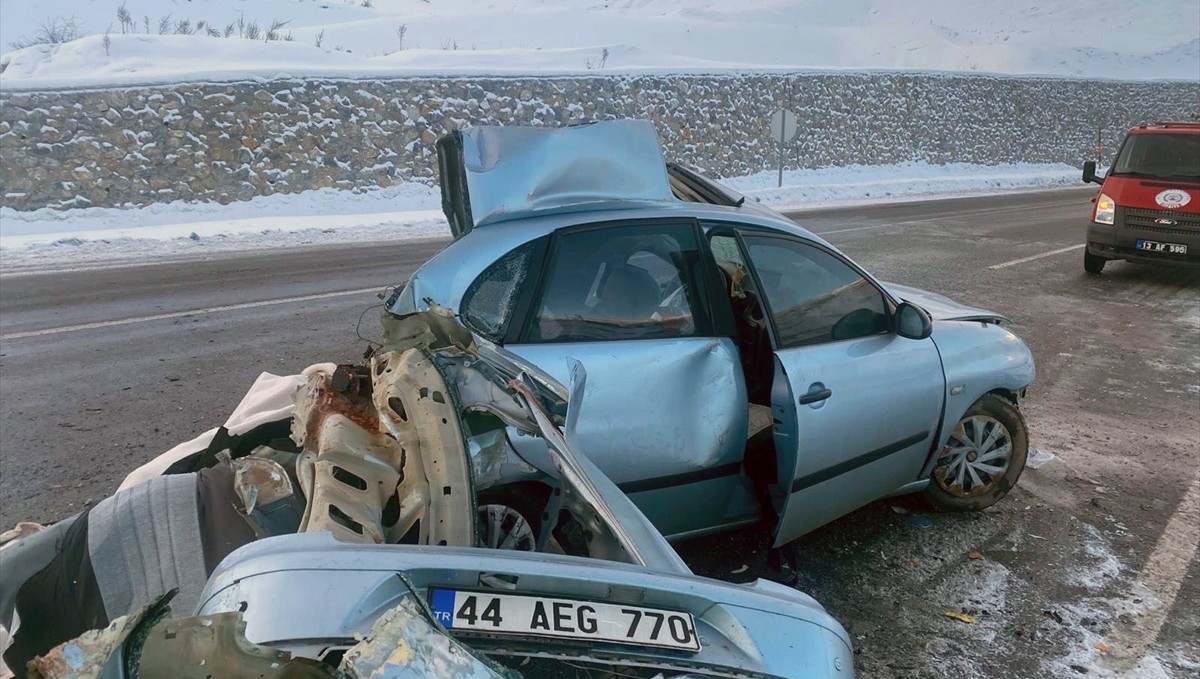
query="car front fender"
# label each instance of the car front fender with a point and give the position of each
(978, 358)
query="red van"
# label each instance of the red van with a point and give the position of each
(1148, 209)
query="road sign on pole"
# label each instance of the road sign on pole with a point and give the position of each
(783, 125)
(783, 128)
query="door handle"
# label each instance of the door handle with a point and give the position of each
(815, 395)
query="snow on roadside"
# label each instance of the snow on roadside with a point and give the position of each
(412, 211)
(55, 239)
(322, 208)
(1116, 597)
(856, 184)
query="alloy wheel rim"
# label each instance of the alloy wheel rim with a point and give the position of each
(975, 458)
(502, 527)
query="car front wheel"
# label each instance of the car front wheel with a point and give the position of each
(982, 459)
(1093, 264)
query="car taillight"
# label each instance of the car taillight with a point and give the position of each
(1106, 210)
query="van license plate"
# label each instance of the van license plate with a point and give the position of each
(536, 616)
(1155, 246)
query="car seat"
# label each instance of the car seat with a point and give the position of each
(628, 295)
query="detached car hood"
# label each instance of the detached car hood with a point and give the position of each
(942, 308)
(492, 174)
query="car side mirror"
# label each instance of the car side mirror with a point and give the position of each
(1089, 173)
(913, 322)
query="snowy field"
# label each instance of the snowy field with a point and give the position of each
(172, 40)
(56, 239)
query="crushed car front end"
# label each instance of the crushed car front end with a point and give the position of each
(362, 554)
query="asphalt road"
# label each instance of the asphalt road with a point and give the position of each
(1089, 568)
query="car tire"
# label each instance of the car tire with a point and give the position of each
(1093, 264)
(970, 450)
(502, 511)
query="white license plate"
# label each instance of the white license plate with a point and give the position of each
(1155, 246)
(537, 616)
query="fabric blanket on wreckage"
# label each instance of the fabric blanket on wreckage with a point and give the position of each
(167, 527)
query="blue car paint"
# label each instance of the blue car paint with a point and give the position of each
(759, 629)
(838, 462)
(514, 171)
(646, 454)
(978, 358)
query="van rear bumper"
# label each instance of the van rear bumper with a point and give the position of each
(1118, 241)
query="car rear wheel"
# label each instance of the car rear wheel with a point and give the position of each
(1093, 264)
(982, 459)
(511, 517)
(502, 527)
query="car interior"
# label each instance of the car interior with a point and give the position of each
(758, 363)
(749, 315)
(622, 283)
(627, 288)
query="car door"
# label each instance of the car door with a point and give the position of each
(664, 414)
(856, 405)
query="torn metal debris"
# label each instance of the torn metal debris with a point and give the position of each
(323, 550)
(405, 644)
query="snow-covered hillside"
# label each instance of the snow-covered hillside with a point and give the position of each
(364, 38)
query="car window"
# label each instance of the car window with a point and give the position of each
(628, 282)
(814, 297)
(488, 304)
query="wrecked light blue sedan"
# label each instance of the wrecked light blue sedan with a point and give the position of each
(740, 367)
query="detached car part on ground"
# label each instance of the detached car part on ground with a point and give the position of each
(352, 548)
(741, 366)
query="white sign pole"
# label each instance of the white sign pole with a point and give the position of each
(780, 165)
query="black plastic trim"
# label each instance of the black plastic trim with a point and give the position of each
(683, 479)
(724, 324)
(452, 177)
(713, 193)
(854, 463)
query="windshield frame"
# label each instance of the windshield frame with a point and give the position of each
(1121, 162)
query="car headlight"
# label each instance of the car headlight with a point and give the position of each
(1106, 210)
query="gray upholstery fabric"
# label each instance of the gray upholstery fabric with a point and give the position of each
(145, 541)
(21, 559)
(629, 294)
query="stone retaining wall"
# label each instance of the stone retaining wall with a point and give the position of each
(226, 142)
